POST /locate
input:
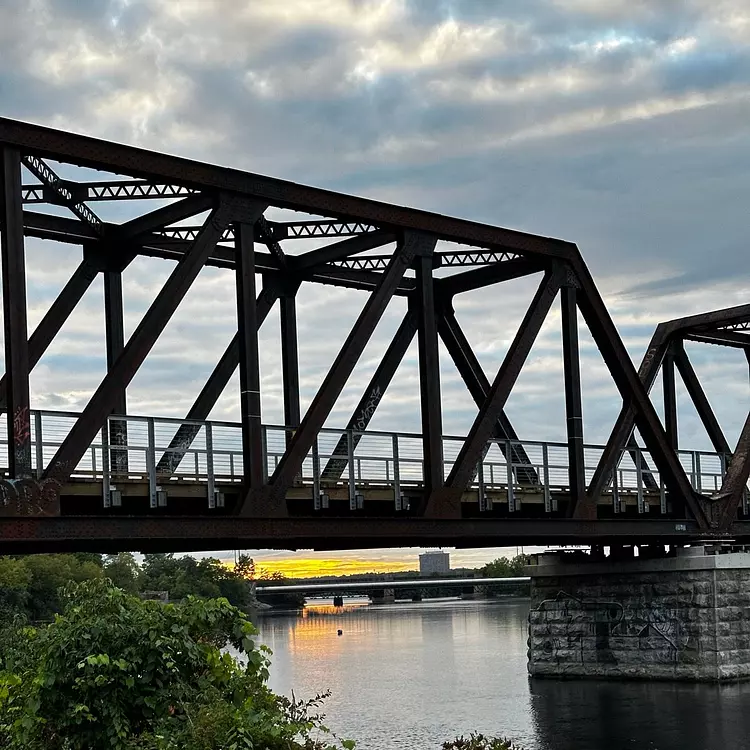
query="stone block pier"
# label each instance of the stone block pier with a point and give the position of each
(678, 616)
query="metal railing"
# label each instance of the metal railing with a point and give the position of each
(129, 448)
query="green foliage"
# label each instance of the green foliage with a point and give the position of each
(115, 671)
(123, 571)
(480, 742)
(506, 568)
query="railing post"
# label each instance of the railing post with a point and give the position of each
(398, 500)
(352, 472)
(153, 500)
(512, 507)
(698, 478)
(485, 502)
(106, 489)
(642, 507)
(616, 490)
(545, 479)
(211, 489)
(264, 439)
(39, 444)
(316, 474)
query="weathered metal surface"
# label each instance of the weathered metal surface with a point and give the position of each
(17, 364)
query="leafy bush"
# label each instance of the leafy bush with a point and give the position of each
(114, 671)
(480, 742)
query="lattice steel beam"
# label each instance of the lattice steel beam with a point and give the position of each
(116, 190)
(58, 191)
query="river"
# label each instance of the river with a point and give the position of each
(414, 675)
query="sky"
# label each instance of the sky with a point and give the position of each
(620, 125)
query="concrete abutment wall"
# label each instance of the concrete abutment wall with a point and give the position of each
(685, 617)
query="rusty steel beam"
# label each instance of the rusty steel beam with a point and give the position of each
(214, 387)
(478, 385)
(112, 190)
(446, 502)
(55, 317)
(670, 398)
(59, 192)
(721, 338)
(433, 472)
(700, 400)
(247, 337)
(290, 359)
(136, 162)
(115, 342)
(272, 502)
(735, 481)
(17, 364)
(196, 533)
(265, 235)
(634, 393)
(164, 216)
(573, 406)
(340, 250)
(478, 278)
(145, 336)
(367, 405)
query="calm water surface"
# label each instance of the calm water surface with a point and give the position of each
(415, 675)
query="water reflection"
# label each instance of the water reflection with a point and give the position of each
(571, 715)
(416, 674)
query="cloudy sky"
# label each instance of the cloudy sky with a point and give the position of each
(621, 125)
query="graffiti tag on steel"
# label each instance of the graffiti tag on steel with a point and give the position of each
(29, 497)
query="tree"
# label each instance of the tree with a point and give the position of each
(15, 579)
(114, 671)
(506, 568)
(122, 569)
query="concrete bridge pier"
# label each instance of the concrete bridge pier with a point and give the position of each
(383, 596)
(682, 616)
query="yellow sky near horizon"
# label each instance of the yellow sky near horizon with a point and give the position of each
(308, 567)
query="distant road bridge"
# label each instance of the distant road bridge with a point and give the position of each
(105, 480)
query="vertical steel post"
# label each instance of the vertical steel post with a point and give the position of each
(115, 338)
(352, 480)
(247, 326)
(106, 485)
(545, 478)
(210, 485)
(642, 507)
(316, 474)
(573, 408)
(429, 377)
(151, 463)
(670, 398)
(512, 507)
(39, 444)
(14, 316)
(290, 362)
(397, 476)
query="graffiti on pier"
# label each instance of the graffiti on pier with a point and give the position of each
(30, 497)
(572, 630)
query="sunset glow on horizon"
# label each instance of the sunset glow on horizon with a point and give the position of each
(310, 567)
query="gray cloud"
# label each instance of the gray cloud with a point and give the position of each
(620, 126)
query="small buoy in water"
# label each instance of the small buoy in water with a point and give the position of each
(341, 632)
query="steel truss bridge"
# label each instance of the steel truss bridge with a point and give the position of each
(105, 480)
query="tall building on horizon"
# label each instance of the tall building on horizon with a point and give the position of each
(434, 561)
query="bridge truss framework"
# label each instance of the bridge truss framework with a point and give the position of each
(382, 249)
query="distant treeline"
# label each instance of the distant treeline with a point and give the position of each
(30, 585)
